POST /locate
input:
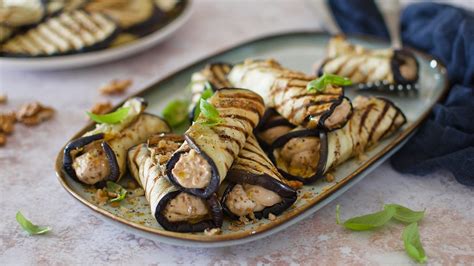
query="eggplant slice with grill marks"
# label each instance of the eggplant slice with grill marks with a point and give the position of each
(71, 32)
(202, 162)
(174, 210)
(215, 74)
(100, 154)
(271, 127)
(306, 155)
(21, 13)
(382, 69)
(137, 16)
(255, 188)
(285, 91)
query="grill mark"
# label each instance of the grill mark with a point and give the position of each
(220, 75)
(392, 124)
(231, 152)
(251, 160)
(234, 104)
(364, 117)
(233, 116)
(378, 121)
(233, 96)
(297, 109)
(259, 154)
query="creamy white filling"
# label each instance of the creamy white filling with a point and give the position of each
(185, 207)
(338, 115)
(299, 156)
(192, 170)
(246, 199)
(92, 166)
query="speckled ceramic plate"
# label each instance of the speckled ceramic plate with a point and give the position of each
(159, 33)
(298, 51)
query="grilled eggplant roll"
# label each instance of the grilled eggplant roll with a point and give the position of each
(285, 90)
(100, 155)
(202, 162)
(255, 188)
(215, 74)
(21, 12)
(68, 33)
(306, 155)
(174, 210)
(370, 67)
(133, 16)
(271, 127)
(54, 7)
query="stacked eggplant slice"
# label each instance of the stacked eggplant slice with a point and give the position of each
(40, 28)
(383, 69)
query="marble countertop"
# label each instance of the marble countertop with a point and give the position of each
(80, 236)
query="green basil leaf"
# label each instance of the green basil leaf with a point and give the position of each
(206, 94)
(322, 82)
(29, 227)
(117, 189)
(210, 113)
(404, 214)
(412, 243)
(176, 112)
(368, 221)
(110, 118)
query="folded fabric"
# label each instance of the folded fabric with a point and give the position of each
(446, 139)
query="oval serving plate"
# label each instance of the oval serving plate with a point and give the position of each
(294, 50)
(147, 41)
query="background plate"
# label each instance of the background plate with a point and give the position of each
(298, 51)
(100, 56)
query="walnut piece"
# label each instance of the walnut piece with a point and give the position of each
(116, 87)
(3, 139)
(330, 177)
(101, 108)
(7, 122)
(294, 184)
(213, 231)
(34, 113)
(3, 98)
(271, 217)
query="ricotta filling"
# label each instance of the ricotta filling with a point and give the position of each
(192, 170)
(245, 199)
(299, 156)
(92, 166)
(186, 207)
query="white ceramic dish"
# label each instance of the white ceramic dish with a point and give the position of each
(298, 51)
(100, 56)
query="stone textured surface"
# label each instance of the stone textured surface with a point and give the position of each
(80, 236)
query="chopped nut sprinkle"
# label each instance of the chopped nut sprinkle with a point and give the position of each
(34, 113)
(330, 177)
(294, 184)
(101, 108)
(116, 87)
(7, 125)
(3, 98)
(213, 231)
(3, 139)
(271, 217)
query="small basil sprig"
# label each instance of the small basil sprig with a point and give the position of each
(206, 94)
(117, 189)
(412, 243)
(210, 113)
(176, 112)
(403, 214)
(411, 236)
(29, 227)
(322, 82)
(368, 221)
(110, 118)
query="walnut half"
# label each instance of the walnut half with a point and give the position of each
(34, 113)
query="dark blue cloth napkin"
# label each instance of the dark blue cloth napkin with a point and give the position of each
(446, 139)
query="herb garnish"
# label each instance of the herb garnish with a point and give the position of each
(176, 112)
(29, 227)
(210, 113)
(206, 94)
(411, 236)
(412, 243)
(117, 189)
(322, 82)
(110, 118)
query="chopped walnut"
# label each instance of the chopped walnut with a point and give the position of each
(116, 87)
(101, 108)
(330, 177)
(271, 217)
(101, 196)
(3, 98)
(213, 231)
(294, 184)
(34, 113)
(3, 139)
(7, 122)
